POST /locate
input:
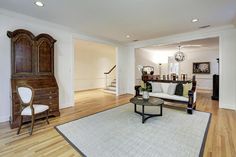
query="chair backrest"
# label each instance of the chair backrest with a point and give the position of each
(25, 94)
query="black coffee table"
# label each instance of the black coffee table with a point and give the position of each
(152, 101)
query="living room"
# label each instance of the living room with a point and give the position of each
(78, 131)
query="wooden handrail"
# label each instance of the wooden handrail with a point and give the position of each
(110, 70)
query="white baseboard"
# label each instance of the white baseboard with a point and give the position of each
(204, 90)
(225, 106)
(62, 106)
(4, 119)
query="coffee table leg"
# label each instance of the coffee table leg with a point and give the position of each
(147, 116)
(143, 114)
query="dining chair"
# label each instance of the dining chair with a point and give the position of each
(27, 107)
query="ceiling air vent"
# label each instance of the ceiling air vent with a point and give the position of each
(206, 26)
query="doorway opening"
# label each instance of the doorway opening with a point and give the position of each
(200, 59)
(94, 67)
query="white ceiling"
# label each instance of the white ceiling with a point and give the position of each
(198, 46)
(141, 19)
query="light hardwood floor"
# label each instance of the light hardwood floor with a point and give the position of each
(45, 141)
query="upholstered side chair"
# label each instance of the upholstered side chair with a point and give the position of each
(26, 96)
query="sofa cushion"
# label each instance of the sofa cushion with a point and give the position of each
(149, 86)
(167, 96)
(165, 87)
(179, 89)
(171, 88)
(156, 87)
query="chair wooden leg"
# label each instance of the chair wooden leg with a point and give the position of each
(47, 112)
(21, 120)
(32, 125)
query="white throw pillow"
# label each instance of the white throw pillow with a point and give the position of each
(165, 87)
(156, 87)
(171, 88)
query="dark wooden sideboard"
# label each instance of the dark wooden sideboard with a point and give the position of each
(154, 78)
(32, 63)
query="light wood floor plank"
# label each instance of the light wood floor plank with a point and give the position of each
(45, 141)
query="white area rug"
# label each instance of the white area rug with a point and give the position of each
(119, 132)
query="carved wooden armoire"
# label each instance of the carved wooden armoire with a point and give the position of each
(32, 63)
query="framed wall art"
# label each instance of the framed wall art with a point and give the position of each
(201, 68)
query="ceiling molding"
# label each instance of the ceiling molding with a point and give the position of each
(75, 34)
(213, 47)
(96, 39)
(199, 34)
(27, 18)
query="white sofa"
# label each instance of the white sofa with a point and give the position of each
(164, 94)
(167, 94)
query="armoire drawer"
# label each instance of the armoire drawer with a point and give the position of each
(45, 97)
(46, 91)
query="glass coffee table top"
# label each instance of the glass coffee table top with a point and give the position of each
(152, 101)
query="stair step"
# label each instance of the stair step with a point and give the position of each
(113, 84)
(111, 88)
(108, 90)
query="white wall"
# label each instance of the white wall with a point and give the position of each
(149, 58)
(63, 58)
(204, 81)
(227, 68)
(123, 76)
(227, 56)
(91, 61)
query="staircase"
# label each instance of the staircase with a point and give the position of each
(110, 88)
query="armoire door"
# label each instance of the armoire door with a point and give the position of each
(22, 53)
(45, 56)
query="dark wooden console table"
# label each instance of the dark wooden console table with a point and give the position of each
(154, 78)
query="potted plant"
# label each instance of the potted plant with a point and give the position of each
(145, 88)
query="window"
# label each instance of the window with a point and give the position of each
(173, 66)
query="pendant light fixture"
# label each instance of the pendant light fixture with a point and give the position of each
(179, 56)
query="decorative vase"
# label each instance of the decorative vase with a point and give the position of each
(145, 95)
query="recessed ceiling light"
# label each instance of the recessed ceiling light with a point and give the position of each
(195, 20)
(127, 36)
(39, 3)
